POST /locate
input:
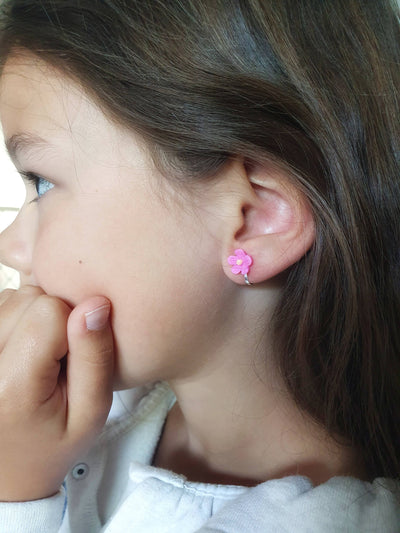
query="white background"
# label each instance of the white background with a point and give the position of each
(11, 187)
(12, 194)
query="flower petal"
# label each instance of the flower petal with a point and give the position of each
(240, 253)
(248, 261)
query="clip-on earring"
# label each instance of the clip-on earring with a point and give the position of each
(241, 263)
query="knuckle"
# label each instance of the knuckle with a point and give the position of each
(99, 356)
(50, 308)
(6, 294)
(30, 290)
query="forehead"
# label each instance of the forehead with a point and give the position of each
(33, 93)
(36, 99)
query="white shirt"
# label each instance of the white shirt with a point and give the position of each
(114, 489)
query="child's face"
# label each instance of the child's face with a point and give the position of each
(107, 228)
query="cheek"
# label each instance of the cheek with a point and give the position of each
(90, 248)
(64, 260)
(163, 294)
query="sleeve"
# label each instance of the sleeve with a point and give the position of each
(44, 515)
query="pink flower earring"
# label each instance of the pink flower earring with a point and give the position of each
(241, 263)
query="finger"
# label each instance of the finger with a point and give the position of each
(23, 292)
(5, 294)
(30, 360)
(13, 305)
(90, 365)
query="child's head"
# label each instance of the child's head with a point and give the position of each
(302, 90)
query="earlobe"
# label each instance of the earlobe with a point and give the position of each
(276, 228)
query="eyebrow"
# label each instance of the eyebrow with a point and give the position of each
(24, 142)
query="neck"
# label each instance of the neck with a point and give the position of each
(247, 438)
(235, 423)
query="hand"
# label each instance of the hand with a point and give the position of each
(56, 372)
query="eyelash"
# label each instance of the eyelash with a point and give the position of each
(37, 181)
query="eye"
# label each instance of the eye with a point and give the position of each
(42, 186)
(40, 183)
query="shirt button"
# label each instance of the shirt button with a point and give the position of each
(80, 471)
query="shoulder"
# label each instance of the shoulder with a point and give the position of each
(340, 504)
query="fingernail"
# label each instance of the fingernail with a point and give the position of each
(98, 318)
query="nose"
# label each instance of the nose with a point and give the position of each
(16, 246)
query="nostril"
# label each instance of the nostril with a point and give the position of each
(15, 257)
(12, 252)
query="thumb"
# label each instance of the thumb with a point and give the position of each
(90, 364)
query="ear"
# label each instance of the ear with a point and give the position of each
(271, 220)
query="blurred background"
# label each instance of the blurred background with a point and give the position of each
(12, 194)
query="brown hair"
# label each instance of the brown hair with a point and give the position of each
(312, 85)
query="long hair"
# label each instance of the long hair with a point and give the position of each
(311, 85)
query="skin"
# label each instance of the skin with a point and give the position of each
(113, 232)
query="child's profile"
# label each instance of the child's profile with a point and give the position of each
(206, 333)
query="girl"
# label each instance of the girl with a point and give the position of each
(211, 227)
